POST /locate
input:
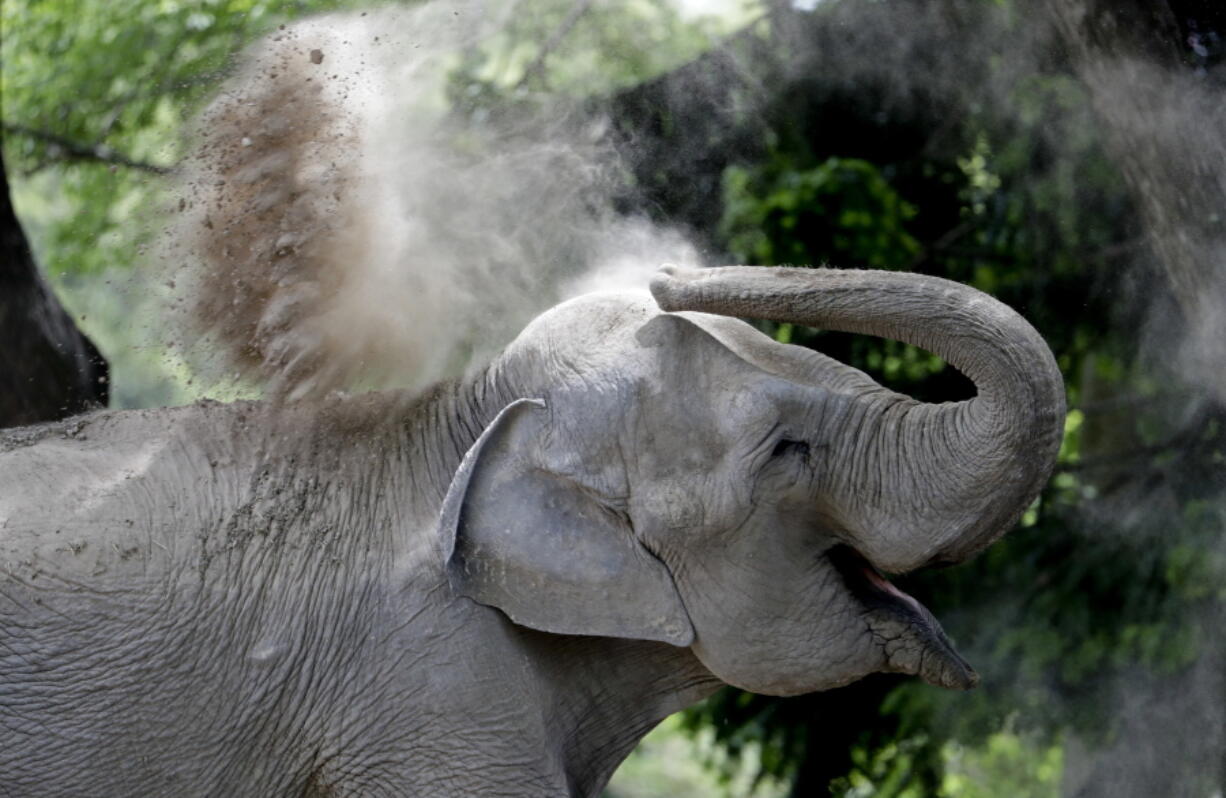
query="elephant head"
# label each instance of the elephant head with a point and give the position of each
(675, 475)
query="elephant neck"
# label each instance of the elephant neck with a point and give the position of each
(600, 695)
(443, 423)
(606, 694)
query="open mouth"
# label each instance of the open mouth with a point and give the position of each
(911, 638)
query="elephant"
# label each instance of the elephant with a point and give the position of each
(499, 586)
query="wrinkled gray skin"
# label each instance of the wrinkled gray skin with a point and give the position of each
(498, 588)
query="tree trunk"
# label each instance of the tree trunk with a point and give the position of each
(48, 368)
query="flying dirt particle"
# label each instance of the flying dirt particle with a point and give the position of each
(317, 56)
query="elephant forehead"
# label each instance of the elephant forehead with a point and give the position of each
(670, 392)
(586, 335)
(620, 335)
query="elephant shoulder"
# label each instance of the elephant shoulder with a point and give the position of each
(110, 492)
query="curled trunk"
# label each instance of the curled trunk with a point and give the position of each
(936, 482)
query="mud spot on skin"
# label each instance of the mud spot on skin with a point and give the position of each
(315, 787)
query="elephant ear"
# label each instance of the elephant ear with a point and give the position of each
(537, 546)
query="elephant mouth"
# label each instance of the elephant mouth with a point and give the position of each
(908, 635)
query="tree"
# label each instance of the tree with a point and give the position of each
(49, 369)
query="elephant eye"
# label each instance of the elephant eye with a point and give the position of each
(787, 447)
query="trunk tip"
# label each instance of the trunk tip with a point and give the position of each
(663, 286)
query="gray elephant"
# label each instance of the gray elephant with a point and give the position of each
(499, 587)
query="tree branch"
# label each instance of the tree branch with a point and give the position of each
(69, 150)
(538, 64)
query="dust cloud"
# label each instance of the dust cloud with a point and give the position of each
(1164, 126)
(338, 226)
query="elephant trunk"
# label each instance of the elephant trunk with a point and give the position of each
(931, 483)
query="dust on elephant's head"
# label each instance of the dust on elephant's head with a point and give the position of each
(680, 477)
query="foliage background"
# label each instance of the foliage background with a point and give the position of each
(968, 139)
